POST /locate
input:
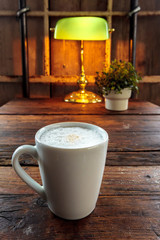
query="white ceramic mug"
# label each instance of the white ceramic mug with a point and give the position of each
(71, 178)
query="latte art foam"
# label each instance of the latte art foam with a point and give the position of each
(71, 137)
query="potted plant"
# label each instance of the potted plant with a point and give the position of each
(117, 83)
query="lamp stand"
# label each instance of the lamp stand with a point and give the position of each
(82, 95)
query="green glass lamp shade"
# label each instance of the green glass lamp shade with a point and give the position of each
(82, 28)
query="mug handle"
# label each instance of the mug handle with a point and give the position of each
(31, 150)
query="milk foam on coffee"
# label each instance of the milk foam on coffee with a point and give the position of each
(71, 137)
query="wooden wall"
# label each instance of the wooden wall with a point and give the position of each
(54, 65)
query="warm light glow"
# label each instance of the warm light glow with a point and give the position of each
(82, 28)
(46, 56)
(107, 54)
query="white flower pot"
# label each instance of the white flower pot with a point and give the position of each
(117, 101)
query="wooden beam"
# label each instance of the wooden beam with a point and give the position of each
(10, 79)
(151, 79)
(149, 13)
(65, 79)
(109, 10)
(7, 13)
(108, 41)
(46, 40)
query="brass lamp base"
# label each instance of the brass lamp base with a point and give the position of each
(82, 96)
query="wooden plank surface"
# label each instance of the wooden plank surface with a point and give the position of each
(141, 158)
(117, 181)
(114, 218)
(140, 133)
(133, 140)
(111, 123)
(128, 205)
(58, 106)
(127, 208)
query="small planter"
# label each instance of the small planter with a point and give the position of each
(121, 77)
(117, 101)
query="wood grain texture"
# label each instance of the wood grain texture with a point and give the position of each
(126, 209)
(10, 38)
(120, 38)
(146, 6)
(35, 46)
(121, 5)
(147, 89)
(77, 5)
(57, 106)
(133, 139)
(114, 218)
(65, 57)
(10, 54)
(11, 90)
(128, 204)
(147, 58)
(140, 133)
(141, 158)
(117, 181)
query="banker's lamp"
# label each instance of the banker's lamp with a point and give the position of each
(82, 28)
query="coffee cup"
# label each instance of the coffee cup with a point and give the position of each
(71, 158)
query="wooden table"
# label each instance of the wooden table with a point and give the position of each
(129, 203)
